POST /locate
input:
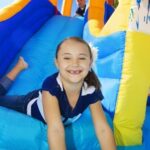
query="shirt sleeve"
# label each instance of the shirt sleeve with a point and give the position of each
(45, 85)
(50, 85)
(96, 96)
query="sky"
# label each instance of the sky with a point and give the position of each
(4, 3)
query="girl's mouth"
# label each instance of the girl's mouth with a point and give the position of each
(74, 71)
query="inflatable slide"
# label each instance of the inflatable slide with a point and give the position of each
(123, 67)
(33, 28)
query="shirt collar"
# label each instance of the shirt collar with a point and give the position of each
(85, 89)
(59, 82)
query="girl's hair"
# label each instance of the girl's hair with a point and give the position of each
(91, 78)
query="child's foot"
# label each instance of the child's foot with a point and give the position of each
(21, 64)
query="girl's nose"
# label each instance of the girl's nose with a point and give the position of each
(75, 62)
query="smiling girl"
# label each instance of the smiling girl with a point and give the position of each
(65, 95)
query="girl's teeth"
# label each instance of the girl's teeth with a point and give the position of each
(74, 72)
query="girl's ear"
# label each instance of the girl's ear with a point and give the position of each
(91, 64)
(56, 63)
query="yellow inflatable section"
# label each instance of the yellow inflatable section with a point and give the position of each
(117, 22)
(11, 10)
(135, 80)
(119, 19)
(96, 16)
(96, 12)
(54, 2)
(132, 96)
(135, 83)
(67, 7)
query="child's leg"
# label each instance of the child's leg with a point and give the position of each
(18, 102)
(13, 102)
(5, 83)
(7, 80)
(21, 65)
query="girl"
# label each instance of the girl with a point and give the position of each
(65, 95)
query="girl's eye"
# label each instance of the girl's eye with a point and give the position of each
(66, 58)
(82, 58)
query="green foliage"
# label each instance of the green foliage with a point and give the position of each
(116, 2)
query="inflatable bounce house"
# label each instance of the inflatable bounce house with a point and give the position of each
(33, 28)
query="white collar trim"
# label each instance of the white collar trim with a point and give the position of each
(59, 82)
(85, 89)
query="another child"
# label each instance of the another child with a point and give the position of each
(64, 95)
(81, 7)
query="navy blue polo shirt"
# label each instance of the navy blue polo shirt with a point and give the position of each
(88, 95)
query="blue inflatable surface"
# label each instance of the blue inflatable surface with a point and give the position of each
(15, 31)
(25, 133)
(20, 132)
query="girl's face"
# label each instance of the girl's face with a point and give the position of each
(73, 61)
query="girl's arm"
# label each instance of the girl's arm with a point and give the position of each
(56, 133)
(103, 131)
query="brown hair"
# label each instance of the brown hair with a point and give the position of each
(91, 78)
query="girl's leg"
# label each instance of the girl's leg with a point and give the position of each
(13, 102)
(5, 83)
(7, 80)
(18, 102)
(21, 65)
